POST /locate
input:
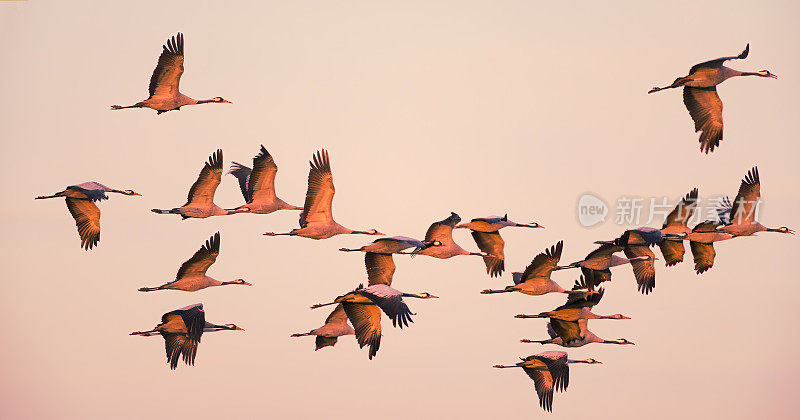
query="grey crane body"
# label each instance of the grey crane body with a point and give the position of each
(442, 232)
(636, 245)
(701, 98)
(258, 185)
(165, 82)
(182, 330)
(200, 202)
(493, 224)
(578, 305)
(335, 326)
(316, 219)
(363, 308)
(739, 217)
(701, 242)
(192, 276)
(676, 226)
(486, 233)
(80, 200)
(573, 334)
(549, 371)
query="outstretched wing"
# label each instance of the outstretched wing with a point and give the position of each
(366, 320)
(242, 174)
(705, 108)
(391, 302)
(672, 251)
(322, 341)
(718, 61)
(543, 382)
(744, 206)
(202, 191)
(337, 316)
(442, 231)
(491, 243)
(595, 277)
(380, 268)
(261, 185)
(319, 197)
(703, 256)
(177, 345)
(87, 218)
(166, 77)
(543, 264)
(681, 214)
(643, 270)
(569, 331)
(558, 366)
(201, 260)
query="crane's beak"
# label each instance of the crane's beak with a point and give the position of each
(238, 329)
(433, 297)
(246, 283)
(137, 194)
(773, 76)
(226, 102)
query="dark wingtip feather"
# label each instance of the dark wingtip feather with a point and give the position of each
(745, 52)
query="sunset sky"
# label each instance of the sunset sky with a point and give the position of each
(481, 108)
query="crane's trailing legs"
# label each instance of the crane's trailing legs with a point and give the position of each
(677, 83)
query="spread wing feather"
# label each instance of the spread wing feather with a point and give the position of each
(319, 197)
(202, 191)
(166, 77)
(87, 219)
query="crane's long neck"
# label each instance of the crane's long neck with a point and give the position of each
(209, 327)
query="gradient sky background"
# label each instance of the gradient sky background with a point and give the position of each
(426, 107)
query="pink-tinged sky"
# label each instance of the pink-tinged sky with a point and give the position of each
(426, 107)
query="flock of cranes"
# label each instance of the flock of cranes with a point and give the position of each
(358, 312)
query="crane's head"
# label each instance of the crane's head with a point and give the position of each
(619, 316)
(220, 100)
(233, 327)
(373, 232)
(237, 281)
(783, 229)
(593, 361)
(624, 341)
(766, 73)
(426, 295)
(130, 192)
